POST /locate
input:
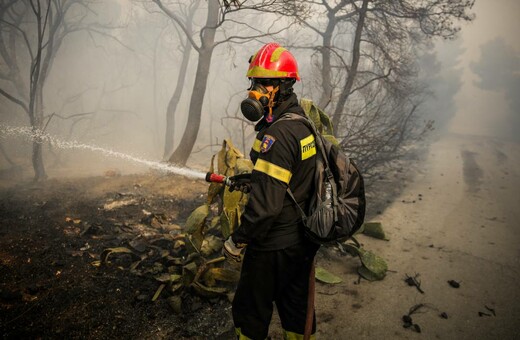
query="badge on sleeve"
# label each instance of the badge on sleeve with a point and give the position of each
(267, 142)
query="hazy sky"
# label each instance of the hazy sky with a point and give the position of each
(484, 112)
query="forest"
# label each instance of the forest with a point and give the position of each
(164, 78)
(111, 112)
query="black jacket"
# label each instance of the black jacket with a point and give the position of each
(283, 154)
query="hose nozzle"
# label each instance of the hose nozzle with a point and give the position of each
(215, 178)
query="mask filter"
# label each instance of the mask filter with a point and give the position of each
(253, 107)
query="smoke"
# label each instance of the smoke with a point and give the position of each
(498, 70)
(442, 72)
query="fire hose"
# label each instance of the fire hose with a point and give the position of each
(239, 182)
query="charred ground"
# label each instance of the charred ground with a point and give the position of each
(52, 232)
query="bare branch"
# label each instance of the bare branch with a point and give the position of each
(179, 22)
(236, 38)
(15, 100)
(49, 117)
(93, 30)
(24, 35)
(383, 76)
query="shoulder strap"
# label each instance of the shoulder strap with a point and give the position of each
(302, 213)
(294, 116)
(317, 135)
(321, 148)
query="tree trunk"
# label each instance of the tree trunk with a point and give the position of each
(169, 139)
(183, 151)
(36, 123)
(356, 53)
(8, 52)
(326, 81)
(45, 60)
(37, 161)
(174, 101)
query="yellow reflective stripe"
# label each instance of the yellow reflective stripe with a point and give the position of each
(256, 145)
(260, 72)
(295, 336)
(308, 147)
(275, 56)
(241, 336)
(273, 170)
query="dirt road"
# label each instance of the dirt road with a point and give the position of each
(456, 220)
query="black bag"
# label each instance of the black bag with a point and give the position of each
(337, 207)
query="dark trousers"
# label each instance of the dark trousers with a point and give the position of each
(279, 276)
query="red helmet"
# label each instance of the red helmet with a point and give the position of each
(273, 61)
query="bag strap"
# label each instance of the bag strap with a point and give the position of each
(294, 116)
(304, 215)
(317, 135)
(319, 144)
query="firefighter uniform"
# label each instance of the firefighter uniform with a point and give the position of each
(278, 258)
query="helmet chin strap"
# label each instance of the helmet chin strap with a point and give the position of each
(270, 105)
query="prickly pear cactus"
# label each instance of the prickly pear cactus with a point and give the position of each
(320, 119)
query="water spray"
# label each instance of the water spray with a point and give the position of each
(42, 137)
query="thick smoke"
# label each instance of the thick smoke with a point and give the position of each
(498, 70)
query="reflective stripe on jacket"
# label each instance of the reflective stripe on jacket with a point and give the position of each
(284, 154)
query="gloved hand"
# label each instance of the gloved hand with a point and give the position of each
(232, 250)
(240, 182)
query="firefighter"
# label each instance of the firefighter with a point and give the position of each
(278, 258)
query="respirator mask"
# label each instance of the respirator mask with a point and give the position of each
(259, 102)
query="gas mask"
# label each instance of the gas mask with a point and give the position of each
(259, 102)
